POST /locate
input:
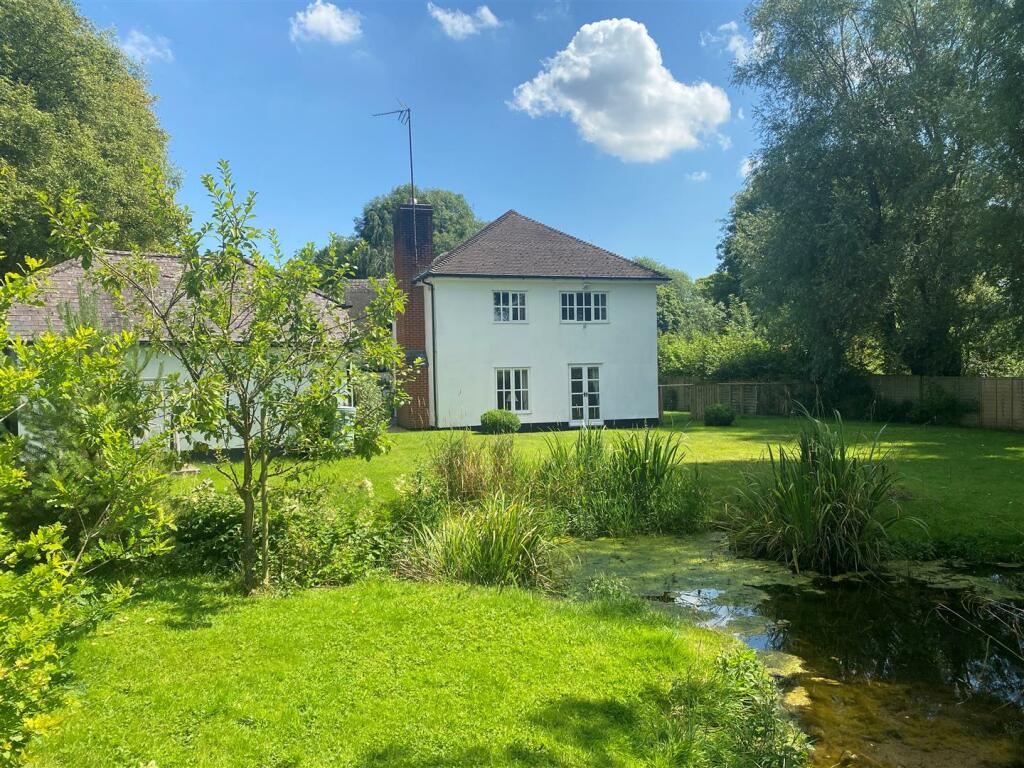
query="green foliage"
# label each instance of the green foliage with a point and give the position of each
(75, 114)
(99, 480)
(500, 541)
(718, 415)
(369, 252)
(682, 308)
(312, 542)
(885, 213)
(738, 352)
(499, 422)
(826, 508)
(636, 486)
(749, 731)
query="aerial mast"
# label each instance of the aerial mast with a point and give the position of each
(404, 114)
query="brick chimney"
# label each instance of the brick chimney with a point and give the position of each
(414, 250)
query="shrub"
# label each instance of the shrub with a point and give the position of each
(941, 407)
(208, 528)
(499, 422)
(322, 545)
(731, 716)
(312, 543)
(718, 415)
(936, 407)
(637, 486)
(499, 542)
(827, 508)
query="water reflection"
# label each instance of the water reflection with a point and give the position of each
(904, 633)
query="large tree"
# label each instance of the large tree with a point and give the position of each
(370, 249)
(682, 308)
(75, 113)
(884, 217)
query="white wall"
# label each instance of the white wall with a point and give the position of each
(470, 346)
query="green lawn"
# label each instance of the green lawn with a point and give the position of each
(378, 673)
(967, 485)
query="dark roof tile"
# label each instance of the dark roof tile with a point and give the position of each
(514, 245)
(67, 283)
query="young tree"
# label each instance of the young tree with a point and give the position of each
(267, 358)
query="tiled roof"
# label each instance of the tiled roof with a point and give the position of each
(358, 295)
(516, 246)
(67, 283)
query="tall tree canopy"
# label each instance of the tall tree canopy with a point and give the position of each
(682, 308)
(884, 223)
(75, 113)
(370, 249)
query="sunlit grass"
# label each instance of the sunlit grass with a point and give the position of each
(381, 673)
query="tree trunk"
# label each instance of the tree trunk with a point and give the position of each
(248, 520)
(264, 505)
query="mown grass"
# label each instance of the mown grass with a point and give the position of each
(966, 485)
(380, 673)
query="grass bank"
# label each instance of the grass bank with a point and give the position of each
(388, 673)
(967, 485)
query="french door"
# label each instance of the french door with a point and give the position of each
(584, 395)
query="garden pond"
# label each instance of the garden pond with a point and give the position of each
(902, 671)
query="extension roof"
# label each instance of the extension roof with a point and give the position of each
(514, 245)
(67, 282)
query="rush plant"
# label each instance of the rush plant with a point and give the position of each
(825, 506)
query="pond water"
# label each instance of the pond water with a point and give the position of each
(904, 672)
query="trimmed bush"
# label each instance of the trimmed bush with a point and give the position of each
(718, 415)
(498, 422)
(827, 507)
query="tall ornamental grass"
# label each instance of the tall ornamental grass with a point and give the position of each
(500, 541)
(637, 484)
(827, 506)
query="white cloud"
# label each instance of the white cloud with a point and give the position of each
(740, 115)
(327, 22)
(747, 166)
(144, 48)
(559, 9)
(698, 176)
(459, 25)
(611, 82)
(729, 38)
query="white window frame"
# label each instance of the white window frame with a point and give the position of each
(579, 310)
(586, 420)
(509, 388)
(520, 302)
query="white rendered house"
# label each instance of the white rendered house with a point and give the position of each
(525, 318)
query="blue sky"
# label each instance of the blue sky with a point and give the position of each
(560, 110)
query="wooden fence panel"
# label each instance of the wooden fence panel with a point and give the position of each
(1000, 401)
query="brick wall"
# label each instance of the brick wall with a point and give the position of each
(414, 250)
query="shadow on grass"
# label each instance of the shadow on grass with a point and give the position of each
(189, 602)
(594, 732)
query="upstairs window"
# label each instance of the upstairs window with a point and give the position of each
(509, 307)
(584, 307)
(513, 389)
